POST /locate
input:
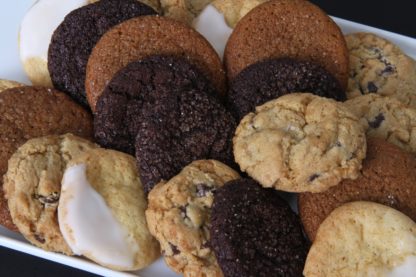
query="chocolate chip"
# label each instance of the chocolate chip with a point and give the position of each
(389, 69)
(372, 87)
(377, 121)
(175, 249)
(49, 199)
(39, 238)
(338, 143)
(313, 177)
(203, 189)
(183, 212)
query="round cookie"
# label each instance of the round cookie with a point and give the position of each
(74, 39)
(147, 36)
(32, 187)
(387, 177)
(154, 4)
(363, 239)
(287, 28)
(255, 233)
(269, 79)
(35, 34)
(379, 66)
(386, 118)
(102, 211)
(300, 142)
(6, 84)
(183, 10)
(30, 112)
(179, 216)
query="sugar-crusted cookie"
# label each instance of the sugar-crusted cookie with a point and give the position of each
(363, 239)
(179, 216)
(300, 142)
(147, 36)
(30, 112)
(101, 210)
(6, 84)
(387, 177)
(32, 187)
(255, 233)
(379, 66)
(280, 28)
(74, 39)
(386, 118)
(269, 79)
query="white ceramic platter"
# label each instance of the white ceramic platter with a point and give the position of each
(11, 13)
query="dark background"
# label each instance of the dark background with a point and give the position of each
(396, 16)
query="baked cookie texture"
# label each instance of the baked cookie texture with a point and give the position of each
(183, 10)
(114, 176)
(255, 233)
(30, 112)
(6, 84)
(386, 118)
(287, 28)
(379, 66)
(300, 142)
(387, 177)
(32, 187)
(361, 239)
(143, 37)
(269, 79)
(179, 216)
(154, 4)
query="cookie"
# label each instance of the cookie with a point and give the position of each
(30, 112)
(379, 66)
(363, 239)
(387, 177)
(269, 79)
(154, 4)
(32, 187)
(179, 216)
(35, 34)
(255, 233)
(386, 118)
(146, 36)
(300, 142)
(6, 84)
(183, 10)
(74, 39)
(278, 29)
(102, 211)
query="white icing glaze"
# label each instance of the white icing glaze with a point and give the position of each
(407, 269)
(211, 24)
(87, 224)
(39, 24)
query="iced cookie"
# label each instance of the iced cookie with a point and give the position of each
(143, 37)
(74, 39)
(300, 142)
(6, 84)
(101, 211)
(379, 66)
(30, 112)
(32, 187)
(179, 216)
(363, 239)
(386, 118)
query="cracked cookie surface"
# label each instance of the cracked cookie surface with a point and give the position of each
(300, 142)
(386, 118)
(179, 216)
(32, 187)
(379, 66)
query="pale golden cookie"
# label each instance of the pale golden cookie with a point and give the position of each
(300, 142)
(234, 10)
(6, 84)
(32, 187)
(179, 216)
(183, 10)
(361, 239)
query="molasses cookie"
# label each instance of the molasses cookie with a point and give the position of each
(30, 112)
(154, 4)
(287, 28)
(141, 37)
(255, 233)
(270, 79)
(74, 39)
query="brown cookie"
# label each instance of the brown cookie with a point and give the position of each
(30, 112)
(388, 177)
(287, 28)
(141, 37)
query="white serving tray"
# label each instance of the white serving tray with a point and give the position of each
(11, 14)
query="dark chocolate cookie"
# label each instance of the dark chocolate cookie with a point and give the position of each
(74, 39)
(255, 233)
(165, 110)
(270, 79)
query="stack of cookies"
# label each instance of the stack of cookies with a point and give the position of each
(186, 141)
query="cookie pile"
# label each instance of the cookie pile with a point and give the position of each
(194, 154)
